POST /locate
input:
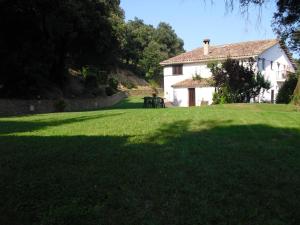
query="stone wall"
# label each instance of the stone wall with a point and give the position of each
(147, 92)
(11, 107)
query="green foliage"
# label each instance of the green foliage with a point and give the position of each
(237, 83)
(60, 105)
(286, 19)
(150, 60)
(147, 46)
(128, 84)
(296, 96)
(286, 91)
(113, 83)
(154, 85)
(222, 96)
(197, 77)
(39, 40)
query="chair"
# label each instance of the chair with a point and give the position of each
(147, 102)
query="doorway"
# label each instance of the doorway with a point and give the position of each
(192, 97)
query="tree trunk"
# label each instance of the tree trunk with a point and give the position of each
(296, 99)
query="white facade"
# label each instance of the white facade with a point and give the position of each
(276, 74)
(277, 64)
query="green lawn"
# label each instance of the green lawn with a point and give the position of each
(217, 165)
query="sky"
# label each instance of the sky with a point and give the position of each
(194, 20)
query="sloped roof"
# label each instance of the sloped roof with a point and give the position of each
(191, 83)
(219, 52)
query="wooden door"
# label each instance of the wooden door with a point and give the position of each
(192, 97)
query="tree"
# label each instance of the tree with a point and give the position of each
(296, 95)
(286, 18)
(286, 91)
(237, 82)
(286, 25)
(138, 36)
(40, 39)
(146, 46)
(152, 56)
(170, 42)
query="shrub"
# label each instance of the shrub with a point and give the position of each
(153, 84)
(94, 73)
(128, 84)
(222, 96)
(285, 93)
(110, 91)
(60, 105)
(113, 83)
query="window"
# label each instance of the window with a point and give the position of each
(177, 70)
(263, 63)
(271, 65)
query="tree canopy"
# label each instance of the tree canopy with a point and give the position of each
(286, 19)
(146, 46)
(237, 82)
(40, 40)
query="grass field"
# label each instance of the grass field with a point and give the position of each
(217, 165)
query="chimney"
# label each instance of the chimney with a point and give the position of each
(206, 46)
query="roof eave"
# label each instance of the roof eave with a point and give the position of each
(208, 60)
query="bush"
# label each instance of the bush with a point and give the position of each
(60, 106)
(153, 84)
(110, 91)
(113, 83)
(128, 84)
(285, 93)
(98, 76)
(222, 96)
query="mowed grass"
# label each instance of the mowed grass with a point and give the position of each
(217, 165)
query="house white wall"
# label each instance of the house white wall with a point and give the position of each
(204, 94)
(179, 96)
(276, 75)
(188, 70)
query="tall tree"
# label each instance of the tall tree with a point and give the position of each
(146, 46)
(40, 38)
(166, 36)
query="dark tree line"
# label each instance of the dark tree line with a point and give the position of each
(41, 39)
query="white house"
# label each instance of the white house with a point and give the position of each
(182, 89)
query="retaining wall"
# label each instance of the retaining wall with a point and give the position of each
(11, 107)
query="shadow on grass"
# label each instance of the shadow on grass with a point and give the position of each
(130, 103)
(10, 126)
(222, 174)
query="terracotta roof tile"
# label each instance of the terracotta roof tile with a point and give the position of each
(191, 83)
(237, 50)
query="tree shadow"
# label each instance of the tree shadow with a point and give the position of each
(129, 103)
(11, 126)
(218, 174)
